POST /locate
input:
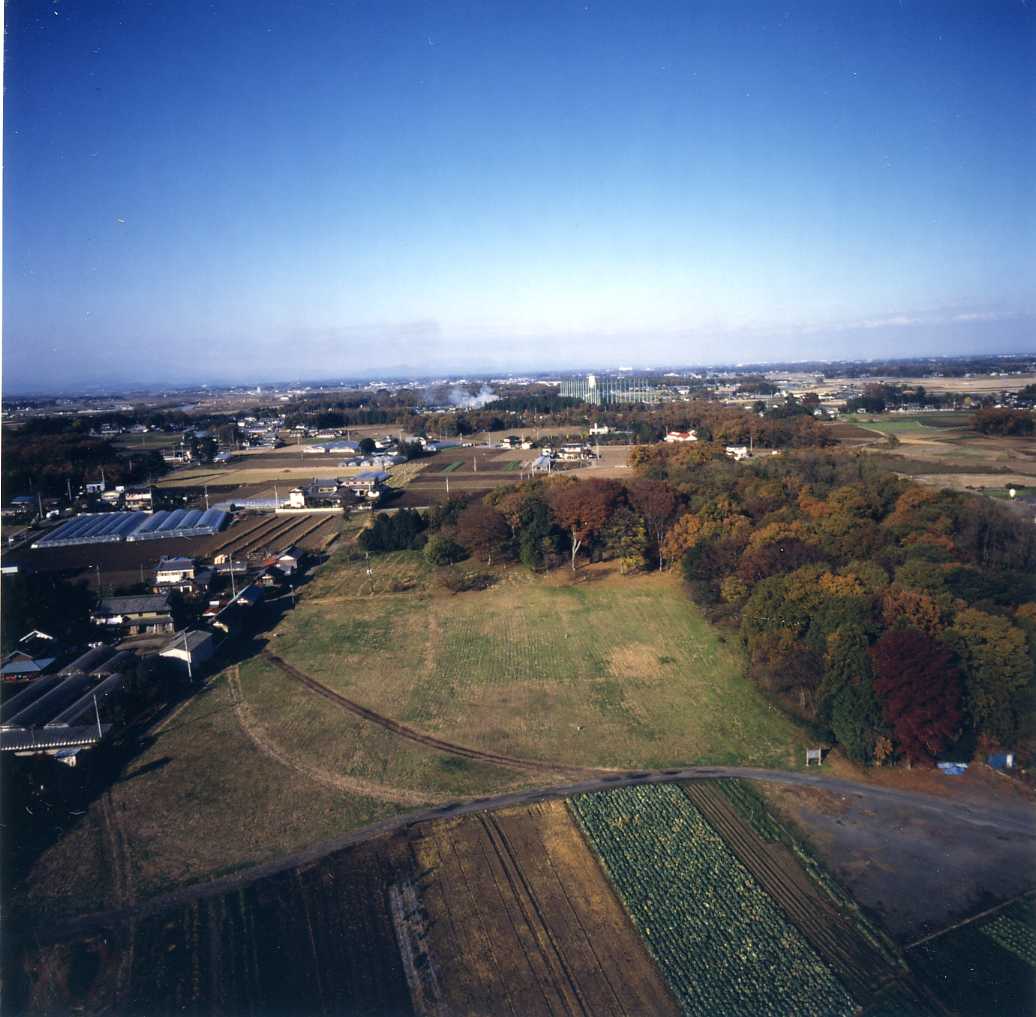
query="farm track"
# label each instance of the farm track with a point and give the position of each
(118, 852)
(353, 785)
(993, 820)
(861, 967)
(495, 758)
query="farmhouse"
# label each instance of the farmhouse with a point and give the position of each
(367, 484)
(139, 499)
(181, 574)
(240, 611)
(23, 504)
(36, 653)
(135, 616)
(576, 452)
(177, 456)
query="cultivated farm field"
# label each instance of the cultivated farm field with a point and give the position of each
(622, 902)
(942, 450)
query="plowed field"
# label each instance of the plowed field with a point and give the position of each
(523, 921)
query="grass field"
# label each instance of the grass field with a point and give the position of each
(612, 671)
(202, 799)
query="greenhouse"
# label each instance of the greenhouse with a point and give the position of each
(111, 527)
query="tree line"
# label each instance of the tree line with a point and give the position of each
(898, 620)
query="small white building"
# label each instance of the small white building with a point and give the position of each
(737, 452)
(194, 647)
(576, 452)
(674, 437)
(297, 498)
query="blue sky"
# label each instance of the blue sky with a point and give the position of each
(244, 191)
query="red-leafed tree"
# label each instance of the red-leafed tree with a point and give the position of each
(919, 690)
(656, 503)
(483, 531)
(583, 507)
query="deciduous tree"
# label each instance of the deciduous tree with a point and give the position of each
(583, 508)
(656, 502)
(919, 690)
(483, 531)
(997, 670)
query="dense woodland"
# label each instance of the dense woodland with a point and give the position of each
(1004, 422)
(48, 463)
(896, 620)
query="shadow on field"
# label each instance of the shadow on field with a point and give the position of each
(42, 800)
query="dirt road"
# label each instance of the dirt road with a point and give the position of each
(973, 824)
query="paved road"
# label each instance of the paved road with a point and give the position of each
(994, 819)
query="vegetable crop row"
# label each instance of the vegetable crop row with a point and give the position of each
(723, 946)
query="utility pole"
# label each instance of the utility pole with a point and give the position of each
(187, 650)
(68, 487)
(97, 714)
(206, 497)
(98, 567)
(447, 487)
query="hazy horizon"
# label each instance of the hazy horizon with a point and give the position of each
(243, 191)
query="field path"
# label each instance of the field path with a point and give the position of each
(354, 785)
(982, 820)
(409, 733)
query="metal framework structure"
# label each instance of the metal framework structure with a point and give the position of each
(609, 391)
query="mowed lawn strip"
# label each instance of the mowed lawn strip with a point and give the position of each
(620, 671)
